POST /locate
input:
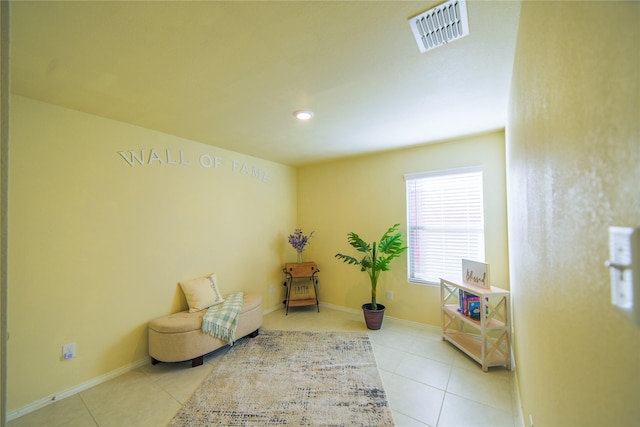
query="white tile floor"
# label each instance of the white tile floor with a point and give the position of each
(428, 382)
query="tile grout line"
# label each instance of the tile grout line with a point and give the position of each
(444, 396)
(88, 410)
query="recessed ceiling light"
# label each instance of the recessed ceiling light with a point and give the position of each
(303, 114)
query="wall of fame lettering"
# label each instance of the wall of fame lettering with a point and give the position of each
(177, 158)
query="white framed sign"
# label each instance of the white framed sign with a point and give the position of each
(476, 274)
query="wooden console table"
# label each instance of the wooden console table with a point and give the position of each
(485, 339)
(295, 273)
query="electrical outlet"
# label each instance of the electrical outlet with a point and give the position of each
(271, 289)
(69, 351)
(390, 295)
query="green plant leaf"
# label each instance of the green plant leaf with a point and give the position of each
(382, 264)
(355, 241)
(391, 245)
(348, 259)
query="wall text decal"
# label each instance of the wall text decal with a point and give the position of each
(135, 158)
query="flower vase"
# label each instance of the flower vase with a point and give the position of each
(299, 257)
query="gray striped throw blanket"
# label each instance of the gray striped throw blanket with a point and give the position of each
(221, 320)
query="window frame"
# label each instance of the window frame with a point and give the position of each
(410, 226)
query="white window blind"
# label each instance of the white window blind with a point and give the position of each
(445, 220)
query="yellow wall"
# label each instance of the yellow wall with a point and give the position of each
(4, 189)
(366, 195)
(573, 152)
(97, 247)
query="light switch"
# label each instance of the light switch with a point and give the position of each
(624, 267)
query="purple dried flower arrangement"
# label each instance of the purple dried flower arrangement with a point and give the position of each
(299, 240)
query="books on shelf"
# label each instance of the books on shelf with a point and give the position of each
(470, 304)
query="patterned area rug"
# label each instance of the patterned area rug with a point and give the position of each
(292, 378)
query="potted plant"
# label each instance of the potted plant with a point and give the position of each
(376, 259)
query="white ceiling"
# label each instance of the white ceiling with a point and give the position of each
(230, 74)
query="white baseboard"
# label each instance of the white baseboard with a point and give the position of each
(339, 308)
(272, 309)
(41, 403)
(281, 306)
(394, 319)
(517, 415)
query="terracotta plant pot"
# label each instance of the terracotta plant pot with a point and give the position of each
(373, 318)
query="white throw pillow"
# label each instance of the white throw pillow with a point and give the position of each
(201, 293)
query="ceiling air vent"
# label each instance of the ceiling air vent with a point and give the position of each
(440, 25)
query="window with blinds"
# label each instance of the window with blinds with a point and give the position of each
(445, 223)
